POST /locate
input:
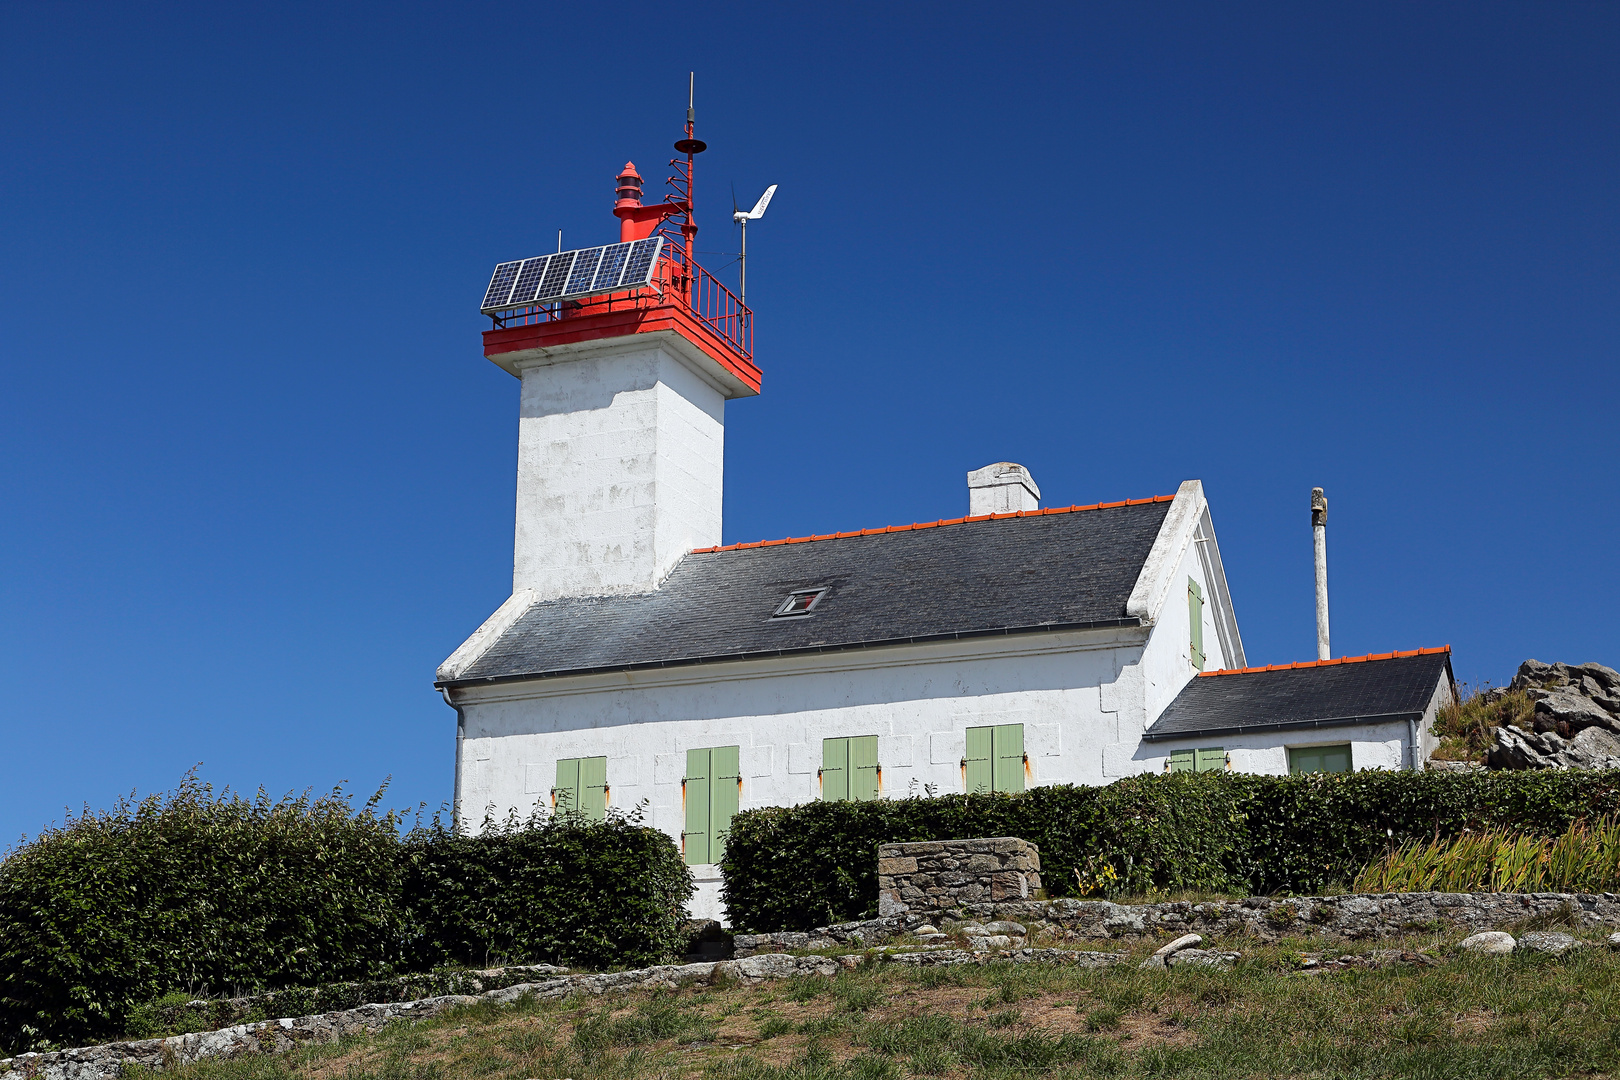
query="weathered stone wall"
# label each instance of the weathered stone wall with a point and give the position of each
(940, 874)
(1054, 922)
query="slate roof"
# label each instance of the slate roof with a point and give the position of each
(1062, 568)
(1320, 693)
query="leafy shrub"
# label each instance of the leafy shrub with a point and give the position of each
(193, 893)
(189, 891)
(1584, 858)
(799, 867)
(548, 889)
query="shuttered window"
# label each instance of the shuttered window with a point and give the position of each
(1195, 622)
(581, 788)
(1307, 759)
(995, 758)
(710, 791)
(849, 769)
(1202, 759)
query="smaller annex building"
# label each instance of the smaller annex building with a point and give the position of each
(1353, 712)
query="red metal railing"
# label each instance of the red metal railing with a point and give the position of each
(677, 284)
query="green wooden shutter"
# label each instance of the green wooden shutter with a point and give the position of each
(834, 770)
(1008, 744)
(1195, 620)
(1308, 759)
(1181, 760)
(725, 793)
(593, 788)
(863, 768)
(979, 748)
(1210, 758)
(565, 796)
(695, 795)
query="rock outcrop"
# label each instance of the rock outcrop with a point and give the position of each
(1576, 723)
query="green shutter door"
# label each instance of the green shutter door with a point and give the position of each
(978, 777)
(565, 796)
(695, 794)
(593, 788)
(834, 770)
(1309, 759)
(1008, 743)
(1210, 759)
(725, 792)
(863, 768)
(1195, 621)
(1181, 761)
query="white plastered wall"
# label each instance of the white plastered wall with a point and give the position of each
(620, 472)
(1073, 692)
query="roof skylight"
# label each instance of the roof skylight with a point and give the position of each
(802, 602)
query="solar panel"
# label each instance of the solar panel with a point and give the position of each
(612, 267)
(500, 285)
(570, 275)
(528, 280)
(584, 271)
(556, 276)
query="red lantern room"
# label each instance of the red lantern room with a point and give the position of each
(551, 304)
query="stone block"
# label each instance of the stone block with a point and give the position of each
(896, 865)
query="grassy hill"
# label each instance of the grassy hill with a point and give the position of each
(1273, 1015)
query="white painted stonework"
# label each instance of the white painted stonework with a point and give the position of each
(621, 462)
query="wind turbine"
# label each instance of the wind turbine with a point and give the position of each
(743, 217)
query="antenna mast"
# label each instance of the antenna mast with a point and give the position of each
(691, 146)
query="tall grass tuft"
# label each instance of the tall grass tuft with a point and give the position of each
(1584, 858)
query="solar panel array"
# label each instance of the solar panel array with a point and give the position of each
(569, 275)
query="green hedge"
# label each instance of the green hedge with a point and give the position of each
(593, 895)
(203, 894)
(805, 866)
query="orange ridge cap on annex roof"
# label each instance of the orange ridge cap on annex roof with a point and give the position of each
(1326, 663)
(930, 524)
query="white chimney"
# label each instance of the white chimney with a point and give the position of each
(1324, 650)
(1001, 488)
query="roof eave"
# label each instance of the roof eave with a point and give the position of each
(1125, 622)
(1282, 725)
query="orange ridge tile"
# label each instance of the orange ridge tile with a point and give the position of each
(932, 525)
(1326, 663)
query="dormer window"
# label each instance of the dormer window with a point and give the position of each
(802, 602)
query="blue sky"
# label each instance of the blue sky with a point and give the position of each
(258, 478)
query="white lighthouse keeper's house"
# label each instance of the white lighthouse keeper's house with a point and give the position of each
(637, 661)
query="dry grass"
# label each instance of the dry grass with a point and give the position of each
(1467, 727)
(1470, 1017)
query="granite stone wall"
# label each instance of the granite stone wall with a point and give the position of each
(1048, 923)
(941, 874)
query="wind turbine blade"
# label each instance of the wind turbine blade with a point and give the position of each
(764, 200)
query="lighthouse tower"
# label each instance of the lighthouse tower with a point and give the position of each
(627, 354)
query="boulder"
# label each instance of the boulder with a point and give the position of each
(1575, 710)
(1548, 942)
(1607, 676)
(1490, 942)
(1533, 673)
(1161, 958)
(1594, 748)
(1516, 749)
(1614, 941)
(1202, 958)
(1005, 927)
